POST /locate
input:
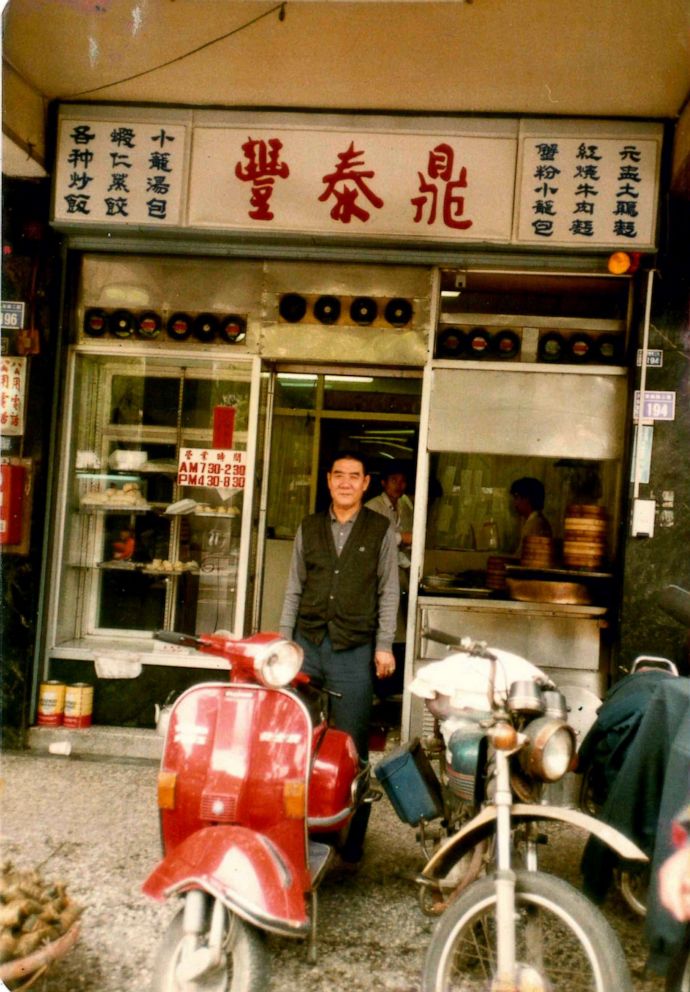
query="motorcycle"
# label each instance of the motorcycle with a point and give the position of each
(500, 735)
(256, 792)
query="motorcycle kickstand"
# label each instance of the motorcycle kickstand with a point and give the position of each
(311, 940)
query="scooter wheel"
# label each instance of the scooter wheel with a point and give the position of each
(246, 968)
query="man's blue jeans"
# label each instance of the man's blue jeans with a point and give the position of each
(349, 672)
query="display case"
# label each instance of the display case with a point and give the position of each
(153, 473)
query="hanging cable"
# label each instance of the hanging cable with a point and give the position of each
(179, 58)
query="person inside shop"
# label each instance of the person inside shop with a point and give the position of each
(341, 605)
(528, 499)
(394, 503)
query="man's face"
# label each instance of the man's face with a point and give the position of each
(347, 484)
(394, 486)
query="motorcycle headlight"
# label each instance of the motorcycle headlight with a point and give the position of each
(549, 750)
(278, 662)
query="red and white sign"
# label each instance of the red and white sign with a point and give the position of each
(223, 469)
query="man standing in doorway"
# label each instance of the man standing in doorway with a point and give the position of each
(341, 603)
(393, 503)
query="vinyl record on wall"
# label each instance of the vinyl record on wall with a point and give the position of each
(450, 343)
(609, 349)
(363, 310)
(551, 347)
(179, 326)
(327, 309)
(478, 343)
(205, 327)
(292, 307)
(233, 329)
(95, 322)
(121, 323)
(398, 312)
(148, 325)
(580, 348)
(506, 344)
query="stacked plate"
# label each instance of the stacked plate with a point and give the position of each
(496, 572)
(538, 552)
(585, 530)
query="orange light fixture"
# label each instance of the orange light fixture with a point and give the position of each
(622, 262)
(166, 790)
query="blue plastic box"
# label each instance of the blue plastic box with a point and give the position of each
(410, 783)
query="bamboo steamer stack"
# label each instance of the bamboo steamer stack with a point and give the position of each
(496, 572)
(585, 534)
(537, 552)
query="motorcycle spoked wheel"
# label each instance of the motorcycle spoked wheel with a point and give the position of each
(563, 942)
(246, 967)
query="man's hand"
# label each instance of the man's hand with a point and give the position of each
(385, 663)
(674, 884)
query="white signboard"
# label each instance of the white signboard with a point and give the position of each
(224, 469)
(557, 182)
(119, 172)
(12, 395)
(586, 187)
(659, 404)
(350, 182)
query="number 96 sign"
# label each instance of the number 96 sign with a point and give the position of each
(658, 405)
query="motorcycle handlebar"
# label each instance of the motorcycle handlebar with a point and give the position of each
(477, 648)
(173, 637)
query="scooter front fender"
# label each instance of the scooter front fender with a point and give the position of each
(242, 868)
(483, 825)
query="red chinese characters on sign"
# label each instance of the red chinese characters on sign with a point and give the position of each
(440, 167)
(214, 468)
(261, 168)
(347, 185)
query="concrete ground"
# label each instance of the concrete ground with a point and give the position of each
(94, 824)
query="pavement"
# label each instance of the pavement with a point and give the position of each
(92, 822)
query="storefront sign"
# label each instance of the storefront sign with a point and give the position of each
(658, 405)
(120, 171)
(212, 468)
(569, 183)
(12, 314)
(12, 395)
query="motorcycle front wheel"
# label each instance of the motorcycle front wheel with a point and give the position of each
(244, 969)
(563, 943)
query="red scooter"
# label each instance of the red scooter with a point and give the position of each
(255, 792)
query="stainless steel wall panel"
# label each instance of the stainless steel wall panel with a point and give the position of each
(531, 412)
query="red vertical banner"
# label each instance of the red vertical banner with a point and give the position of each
(223, 426)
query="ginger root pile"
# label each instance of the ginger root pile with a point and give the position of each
(33, 912)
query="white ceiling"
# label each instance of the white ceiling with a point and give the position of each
(621, 58)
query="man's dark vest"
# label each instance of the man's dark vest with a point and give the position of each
(340, 593)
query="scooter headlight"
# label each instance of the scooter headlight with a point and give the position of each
(278, 662)
(549, 751)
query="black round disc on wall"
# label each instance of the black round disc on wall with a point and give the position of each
(580, 348)
(327, 309)
(148, 325)
(121, 323)
(292, 307)
(450, 343)
(179, 326)
(478, 343)
(609, 349)
(551, 347)
(398, 312)
(95, 322)
(506, 344)
(363, 310)
(233, 329)
(205, 327)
